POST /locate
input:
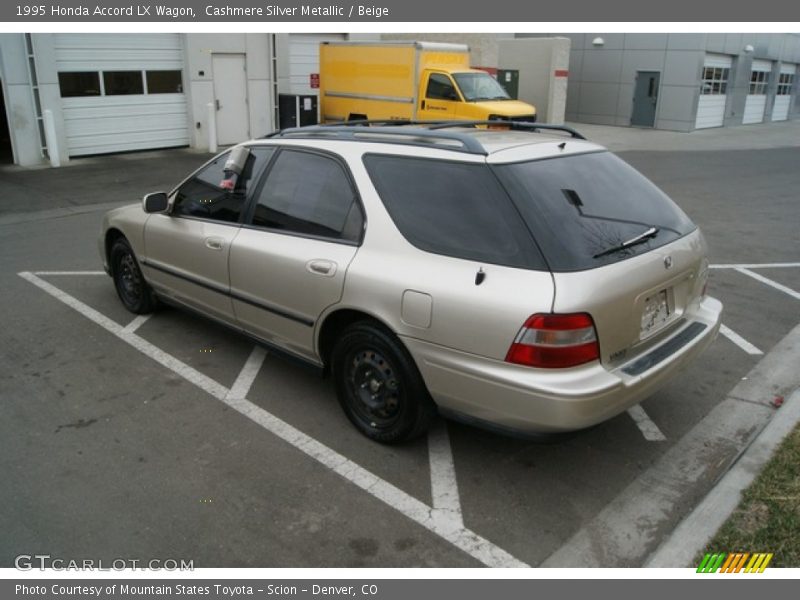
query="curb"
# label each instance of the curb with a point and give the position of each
(632, 527)
(696, 530)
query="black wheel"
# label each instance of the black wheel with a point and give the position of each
(132, 289)
(379, 386)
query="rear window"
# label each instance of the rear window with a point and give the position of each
(455, 209)
(580, 208)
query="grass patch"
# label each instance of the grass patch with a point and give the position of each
(768, 517)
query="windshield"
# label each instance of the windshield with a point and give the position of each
(480, 86)
(588, 210)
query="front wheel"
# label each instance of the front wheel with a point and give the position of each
(132, 289)
(379, 386)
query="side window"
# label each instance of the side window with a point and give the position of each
(440, 88)
(216, 194)
(309, 194)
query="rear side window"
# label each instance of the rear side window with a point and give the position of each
(455, 209)
(580, 208)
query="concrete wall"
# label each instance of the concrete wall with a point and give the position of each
(484, 47)
(20, 111)
(538, 60)
(602, 77)
(199, 48)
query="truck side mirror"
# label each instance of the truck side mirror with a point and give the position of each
(157, 202)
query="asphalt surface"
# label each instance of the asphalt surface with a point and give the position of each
(107, 453)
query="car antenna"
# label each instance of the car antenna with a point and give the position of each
(480, 276)
(562, 145)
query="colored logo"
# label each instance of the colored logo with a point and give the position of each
(736, 562)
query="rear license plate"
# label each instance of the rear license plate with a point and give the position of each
(655, 313)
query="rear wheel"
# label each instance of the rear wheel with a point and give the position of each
(134, 292)
(379, 386)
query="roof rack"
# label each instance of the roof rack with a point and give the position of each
(414, 136)
(512, 125)
(428, 133)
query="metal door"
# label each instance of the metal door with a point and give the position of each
(645, 98)
(230, 98)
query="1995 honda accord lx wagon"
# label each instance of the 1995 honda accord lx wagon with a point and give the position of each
(521, 278)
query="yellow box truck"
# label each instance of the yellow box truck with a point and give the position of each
(409, 80)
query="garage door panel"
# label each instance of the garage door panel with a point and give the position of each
(754, 107)
(97, 143)
(711, 106)
(114, 106)
(780, 111)
(103, 124)
(710, 111)
(117, 60)
(76, 51)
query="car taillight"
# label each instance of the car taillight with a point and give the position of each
(555, 341)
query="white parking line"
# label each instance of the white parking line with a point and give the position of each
(137, 322)
(769, 282)
(649, 429)
(444, 487)
(756, 266)
(244, 381)
(49, 273)
(458, 535)
(739, 340)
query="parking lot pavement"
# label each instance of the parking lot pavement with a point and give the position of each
(171, 436)
(96, 180)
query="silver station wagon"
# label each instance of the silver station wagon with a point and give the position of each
(521, 278)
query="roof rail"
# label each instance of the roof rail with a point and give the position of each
(415, 136)
(428, 133)
(512, 125)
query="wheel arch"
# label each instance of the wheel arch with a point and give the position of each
(337, 321)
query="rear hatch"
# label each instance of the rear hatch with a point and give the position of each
(618, 247)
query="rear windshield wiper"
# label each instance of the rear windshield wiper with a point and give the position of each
(642, 237)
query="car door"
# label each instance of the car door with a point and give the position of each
(288, 263)
(187, 250)
(441, 99)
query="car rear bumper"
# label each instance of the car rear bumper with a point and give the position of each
(524, 399)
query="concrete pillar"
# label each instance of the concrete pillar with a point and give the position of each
(543, 65)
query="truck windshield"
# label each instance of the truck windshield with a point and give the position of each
(480, 86)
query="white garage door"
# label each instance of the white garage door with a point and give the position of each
(304, 59)
(783, 92)
(756, 102)
(713, 91)
(121, 91)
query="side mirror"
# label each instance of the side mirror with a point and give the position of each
(157, 202)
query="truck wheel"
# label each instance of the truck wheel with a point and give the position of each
(379, 386)
(356, 117)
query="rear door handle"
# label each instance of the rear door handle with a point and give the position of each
(214, 243)
(317, 266)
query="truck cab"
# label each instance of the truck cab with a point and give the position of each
(468, 94)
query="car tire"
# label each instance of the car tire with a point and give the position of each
(379, 386)
(134, 292)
